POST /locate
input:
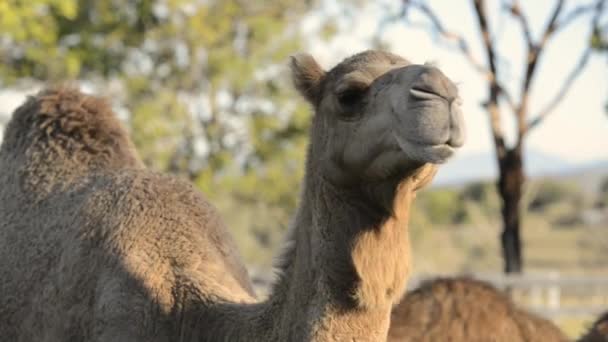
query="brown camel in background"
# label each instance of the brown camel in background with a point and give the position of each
(94, 247)
(462, 309)
(598, 331)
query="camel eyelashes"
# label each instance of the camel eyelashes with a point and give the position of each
(352, 87)
(351, 96)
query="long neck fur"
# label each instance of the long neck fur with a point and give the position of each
(343, 268)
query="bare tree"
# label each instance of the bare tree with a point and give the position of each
(510, 157)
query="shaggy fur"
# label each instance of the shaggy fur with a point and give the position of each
(94, 247)
(463, 309)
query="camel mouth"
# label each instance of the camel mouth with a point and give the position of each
(427, 153)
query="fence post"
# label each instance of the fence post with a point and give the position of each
(554, 291)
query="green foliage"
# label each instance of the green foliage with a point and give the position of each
(59, 39)
(442, 206)
(477, 191)
(160, 121)
(550, 192)
(484, 195)
(602, 200)
(599, 39)
(604, 186)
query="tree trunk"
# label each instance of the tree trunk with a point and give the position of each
(510, 185)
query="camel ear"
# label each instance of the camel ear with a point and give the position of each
(307, 76)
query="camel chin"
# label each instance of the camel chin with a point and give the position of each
(434, 154)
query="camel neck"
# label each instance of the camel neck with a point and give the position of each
(348, 264)
(343, 268)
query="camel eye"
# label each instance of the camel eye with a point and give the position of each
(351, 96)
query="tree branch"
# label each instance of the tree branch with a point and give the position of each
(515, 9)
(576, 13)
(562, 91)
(534, 53)
(535, 50)
(494, 88)
(486, 36)
(574, 73)
(551, 25)
(461, 43)
(505, 95)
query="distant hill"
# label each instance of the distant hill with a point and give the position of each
(482, 167)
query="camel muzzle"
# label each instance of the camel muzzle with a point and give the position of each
(434, 102)
(430, 122)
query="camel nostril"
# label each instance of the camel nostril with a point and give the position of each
(421, 93)
(432, 81)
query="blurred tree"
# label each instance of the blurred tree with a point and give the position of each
(602, 200)
(63, 39)
(483, 194)
(201, 81)
(476, 191)
(510, 157)
(443, 206)
(600, 43)
(599, 40)
(215, 60)
(549, 192)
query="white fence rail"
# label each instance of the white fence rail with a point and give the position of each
(551, 295)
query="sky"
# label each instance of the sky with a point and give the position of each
(577, 130)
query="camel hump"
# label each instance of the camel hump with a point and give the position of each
(68, 130)
(465, 309)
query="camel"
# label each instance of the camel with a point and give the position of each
(598, 331)
(463, 309)
(95, 247)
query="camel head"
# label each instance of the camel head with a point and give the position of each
(378, 117)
